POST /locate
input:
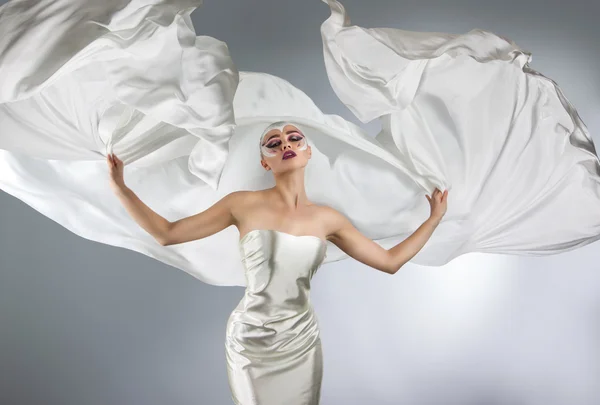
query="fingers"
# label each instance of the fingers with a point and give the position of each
(113, 159)
(438, 195)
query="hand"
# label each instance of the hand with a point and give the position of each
(115, 166)
(438, 203)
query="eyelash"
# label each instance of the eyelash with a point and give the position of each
(277, 143)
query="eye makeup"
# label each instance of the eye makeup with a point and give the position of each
(274, 141)
(293, 137)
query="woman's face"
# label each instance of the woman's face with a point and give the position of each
(287, 149)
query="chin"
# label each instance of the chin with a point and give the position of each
(292, 165)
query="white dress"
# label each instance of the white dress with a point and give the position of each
(272, 346)
(81, 78)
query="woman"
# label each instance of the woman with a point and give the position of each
(463, 112)
(273, 348)
(458, 112)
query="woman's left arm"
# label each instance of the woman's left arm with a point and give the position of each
(358, 246)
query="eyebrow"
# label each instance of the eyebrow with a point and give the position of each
(286, 132)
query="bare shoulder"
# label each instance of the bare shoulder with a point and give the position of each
(243, 203)
(328, 214)
(332, 219)
(239, 198)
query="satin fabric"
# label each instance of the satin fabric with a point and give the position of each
(272, 345)
(460, 112)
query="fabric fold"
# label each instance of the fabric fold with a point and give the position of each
(129, 77)
(467, 113)
(459, 112)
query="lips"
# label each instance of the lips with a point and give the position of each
(288, 154)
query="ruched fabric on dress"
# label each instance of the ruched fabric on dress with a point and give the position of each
(273, 347)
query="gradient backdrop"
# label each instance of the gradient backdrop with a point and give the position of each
(82, 323)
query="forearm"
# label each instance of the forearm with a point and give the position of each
(153, 223)
(408, 248)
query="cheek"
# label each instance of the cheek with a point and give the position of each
(302, 145)
(267, 152)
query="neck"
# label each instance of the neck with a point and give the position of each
(289, 188)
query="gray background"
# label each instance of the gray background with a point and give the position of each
(86, 323)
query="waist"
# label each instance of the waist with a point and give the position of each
(264, 313)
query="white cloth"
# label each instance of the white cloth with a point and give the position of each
(463, 112)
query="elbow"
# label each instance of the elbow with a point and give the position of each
(393, 269)
(163, 241)
(163, 238)
(392, 264)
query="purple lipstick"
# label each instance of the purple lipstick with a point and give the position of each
(288, 155)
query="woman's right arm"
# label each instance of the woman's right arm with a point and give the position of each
(216, 218)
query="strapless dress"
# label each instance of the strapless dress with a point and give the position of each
(272, 346)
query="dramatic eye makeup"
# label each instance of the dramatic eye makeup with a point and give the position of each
(274, 140)
(271, 144)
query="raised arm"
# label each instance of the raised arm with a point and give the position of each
(358, 246)
(216, 218)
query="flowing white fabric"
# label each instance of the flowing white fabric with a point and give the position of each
(462, 112)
